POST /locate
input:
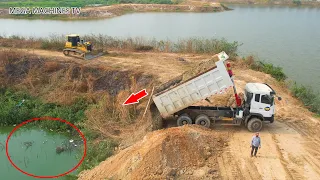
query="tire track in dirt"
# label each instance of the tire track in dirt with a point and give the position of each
(246, 168)
(310, 143)
(282, 160)
(239, 164)
(284, 155)
(229, 167)
(295, 153)
(306, 134)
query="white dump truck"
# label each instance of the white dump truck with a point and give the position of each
(258, 105)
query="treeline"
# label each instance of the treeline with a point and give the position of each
(74, 3)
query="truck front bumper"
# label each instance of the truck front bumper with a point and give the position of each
(271, 119)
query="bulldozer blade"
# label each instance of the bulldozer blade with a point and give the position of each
(89, 56)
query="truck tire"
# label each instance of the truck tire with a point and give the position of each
(184, 119)
(203, 120)
(254, 125)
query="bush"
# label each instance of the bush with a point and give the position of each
(54, 42)
(307, 96)
(144, 48)
(269, 68)
(14, 111)
(297, 2)
(97, 152)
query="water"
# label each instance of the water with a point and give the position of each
(34, 151)
(287, 37)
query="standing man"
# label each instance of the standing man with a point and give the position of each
(255, 143)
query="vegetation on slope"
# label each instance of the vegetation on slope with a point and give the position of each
(52, 84)
(14, 111)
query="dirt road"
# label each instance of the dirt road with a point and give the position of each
(288, 152)
(290, 146)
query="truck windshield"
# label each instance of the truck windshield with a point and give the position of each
(267, 99)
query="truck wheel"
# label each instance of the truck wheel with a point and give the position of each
(184, 119)
(203, 120)
(254, 125)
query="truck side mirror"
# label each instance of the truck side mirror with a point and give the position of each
(279, 98)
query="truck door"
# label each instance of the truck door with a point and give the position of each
(266, 102)
(261, 104)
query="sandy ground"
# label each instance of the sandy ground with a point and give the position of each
(287, 153)
(289, 145)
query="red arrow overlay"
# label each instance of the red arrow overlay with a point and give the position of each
(134, 98)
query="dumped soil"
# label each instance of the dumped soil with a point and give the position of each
(188, 74)
(188, 152)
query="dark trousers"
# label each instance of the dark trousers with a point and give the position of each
(255, 149)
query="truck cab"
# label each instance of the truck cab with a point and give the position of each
(258, 104)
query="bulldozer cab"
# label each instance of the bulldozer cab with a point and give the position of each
(74, 39)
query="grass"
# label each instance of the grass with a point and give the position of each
(97, 152)
(189, 45)
(13, 111)
(268, 68)
(309, 98)
(74, 3)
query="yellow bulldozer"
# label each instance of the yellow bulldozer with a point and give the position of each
(78, 47)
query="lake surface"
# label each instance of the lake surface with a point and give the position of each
(38, 158)
(287, 37)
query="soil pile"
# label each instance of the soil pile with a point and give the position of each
(202, 67)
(181, 152)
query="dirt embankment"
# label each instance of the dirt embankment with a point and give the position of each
(59, 80)
(120, 9)
(165, 154)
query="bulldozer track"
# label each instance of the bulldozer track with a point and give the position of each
(76, 53)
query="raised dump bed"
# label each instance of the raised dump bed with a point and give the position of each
(213, 81)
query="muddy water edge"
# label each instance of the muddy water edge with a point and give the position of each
(34, 150)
